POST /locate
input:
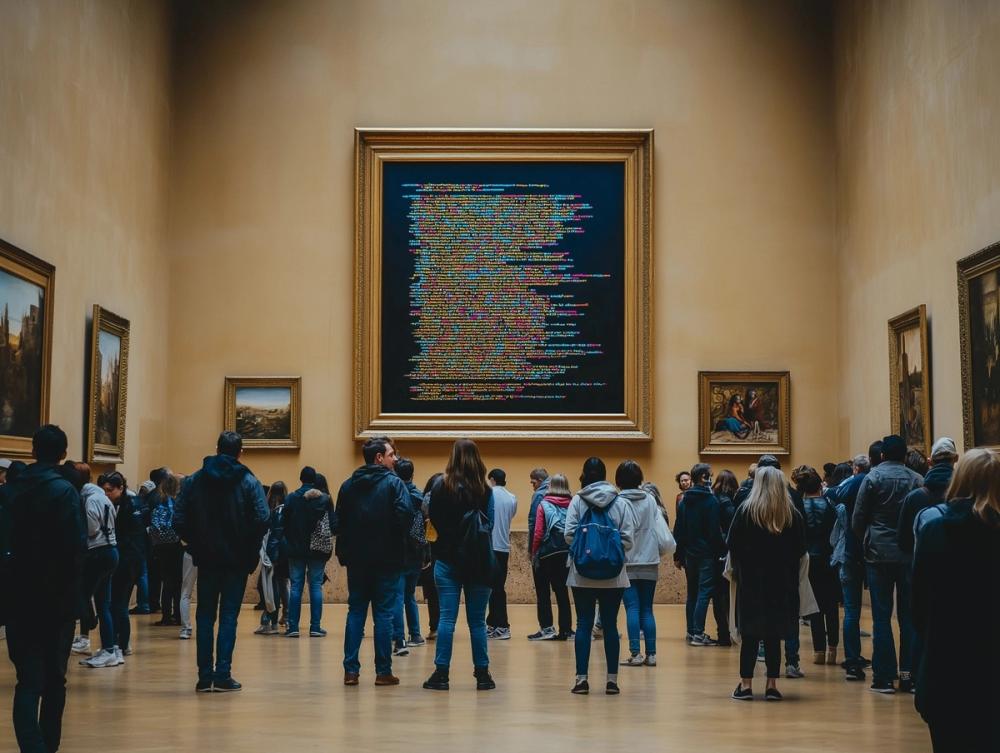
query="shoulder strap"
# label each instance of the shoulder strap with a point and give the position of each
(104, 524)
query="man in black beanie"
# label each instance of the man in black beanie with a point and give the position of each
(875, 522)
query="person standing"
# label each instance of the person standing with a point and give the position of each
(131, 536)
(819, 517)
(683, 481)
(700, 544)
(766, 541)
(309, 525)
(936, 481)
(504, 509)
(167, 549)
(374, 515)
(539, 479)
(407, 613)
(46, 544)
(875, 521)
(427, 573)
(274, 548)
(462, 511)
(549, 549)
(955, 582)
(724, 489)
(100, 566)
(589, 594)
(222, 515)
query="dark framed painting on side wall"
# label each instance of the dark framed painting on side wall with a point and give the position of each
(744, 412)
(27, 291)
(107, 396)
(979, 338)
(910, 378)
(266, 411)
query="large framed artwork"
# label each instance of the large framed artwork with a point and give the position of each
(108, 393)
(266, 411)
(910, 378)
(979, 338)
(27, 291)
(503, 284)
(744, 412)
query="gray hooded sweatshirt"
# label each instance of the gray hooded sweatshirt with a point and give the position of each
(652, 538)
(100, 514)
(599, 494)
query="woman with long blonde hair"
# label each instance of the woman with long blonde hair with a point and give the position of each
(766, 541)
(956, 581)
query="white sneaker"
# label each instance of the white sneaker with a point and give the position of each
(119, 656)
(185, 634)
(103, 658)
(548, 634)
(635, 660)
(501, 634)
(81, 645)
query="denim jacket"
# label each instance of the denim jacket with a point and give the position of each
(876, 512)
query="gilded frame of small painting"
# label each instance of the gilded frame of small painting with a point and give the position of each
(744, 412)
(910, 378)
(265, 411)
(107, 396)
(979, 339)
(27, 297)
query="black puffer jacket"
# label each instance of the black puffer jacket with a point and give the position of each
(819, 516)
(301, 515)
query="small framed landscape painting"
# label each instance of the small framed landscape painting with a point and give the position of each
(108, 393)
(979, 337)
(266, 411)
(910, 379)
(27, 288)
(744, 412)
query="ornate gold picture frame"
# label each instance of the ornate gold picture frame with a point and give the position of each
(107, 396)
(979, 338)
(910, 379)
(27, 296)
(450, 412)
(266, 411)
(744, 412)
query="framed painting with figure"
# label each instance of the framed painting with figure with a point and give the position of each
(503, 284)
(27, 290)
(266, 411)
(744, 412)
(108, 393)
(979, 338)
(910, 379)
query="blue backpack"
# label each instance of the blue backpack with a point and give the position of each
(597, 549)
(161, 529)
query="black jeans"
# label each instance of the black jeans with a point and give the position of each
(171, 559)
(154, 580)
(964, 736)
(126, 576)
(543, 595)
(556, 573)
(720, 603)
(40, 653)
(497, 616)
(588, 601)
(748, 656)
(825, 625)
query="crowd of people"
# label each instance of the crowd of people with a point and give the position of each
(922, 535)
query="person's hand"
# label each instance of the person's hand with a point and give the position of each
(678, 564)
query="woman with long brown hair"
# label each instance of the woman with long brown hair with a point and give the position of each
(461, 510)
(956, 581)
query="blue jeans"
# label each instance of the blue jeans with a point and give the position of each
(883, 580)
(98, 569)
(700, 572)
(477, 598)
(852, 584)
(220, 595)
(142, 588)
(408, 603)
(638, 600)
(587, 601)
(297, 574)
(381, 590)
(792, 645)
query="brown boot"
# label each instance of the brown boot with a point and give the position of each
(386, 680)
(350, 678)
(831, 656)
(819, 657)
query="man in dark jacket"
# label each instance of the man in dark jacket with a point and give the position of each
(944, 455)
(302, 512)
(698, 532)
(222, 514)
(374, 514)
(875, 521)
(407, 614)
(47, 544)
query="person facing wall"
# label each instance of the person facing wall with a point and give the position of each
(505, 508)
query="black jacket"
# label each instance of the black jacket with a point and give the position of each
(374, 515)
(819, 516)
(876, 512)
(301, 514)
(48, 542)
(447, 510)
(222, 514)
(935, 485)
(130, 529)
(727, 511)
(416, 553)
(956, 570)
(767, 576)
(698, 529)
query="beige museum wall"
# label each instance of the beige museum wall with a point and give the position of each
(918, 118)
(266, 96)
(84, 115)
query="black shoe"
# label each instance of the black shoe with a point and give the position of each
(725, 641)
(742, 694)
(258, 607)
(565, 636)
(203, 686)
(865, 662)
(483, 679)
(855, 673)
(153, 609)
(906, 686)
(438, 680)
(882, 687)
(136, 610)
(581, 688)
(772, 694)
(229, 685)
(612, 689)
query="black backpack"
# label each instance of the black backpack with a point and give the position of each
(475, 559)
